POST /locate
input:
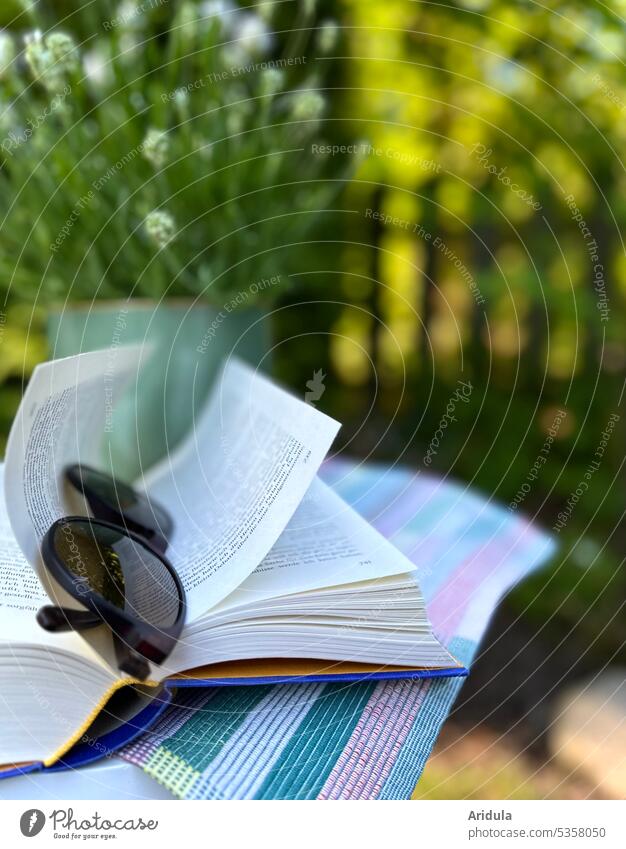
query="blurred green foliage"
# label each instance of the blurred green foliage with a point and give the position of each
(488, 130)
(493, 135)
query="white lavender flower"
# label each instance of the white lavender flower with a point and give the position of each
(160, 228)
(129, 15)
(328, 36)
(181, 96)
(252, 34)
(37, 57)
(307, 105)
(156, 147)
(222, 11)
(97, 66)
(50, 59)
(62, 52)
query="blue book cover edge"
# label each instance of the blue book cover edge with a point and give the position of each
(103, 747)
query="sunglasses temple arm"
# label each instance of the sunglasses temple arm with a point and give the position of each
(59, 619)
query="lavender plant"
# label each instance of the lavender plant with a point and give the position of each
(157, 149)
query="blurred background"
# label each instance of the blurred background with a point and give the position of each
(411, 195)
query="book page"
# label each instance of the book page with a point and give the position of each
(65, 415)
(21, 596)
(236, 482)
(21, 592)
(325, 544)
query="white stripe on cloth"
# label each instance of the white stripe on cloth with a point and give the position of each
(244, 762)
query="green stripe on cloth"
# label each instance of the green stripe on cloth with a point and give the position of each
(202, 737)
(312, 752)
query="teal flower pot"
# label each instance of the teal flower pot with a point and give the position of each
(188, 341)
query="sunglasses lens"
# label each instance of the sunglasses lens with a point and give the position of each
(121, 570)
(114, 492)
(114, 501)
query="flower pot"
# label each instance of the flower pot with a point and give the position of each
(188, 341)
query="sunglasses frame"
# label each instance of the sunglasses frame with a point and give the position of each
(136, 641)
(157, 534)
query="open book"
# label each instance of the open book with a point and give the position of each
(284, 581)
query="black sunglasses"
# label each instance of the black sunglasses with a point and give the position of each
(114, 565)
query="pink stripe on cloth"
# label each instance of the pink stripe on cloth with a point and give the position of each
(447, 608)
(375, 743)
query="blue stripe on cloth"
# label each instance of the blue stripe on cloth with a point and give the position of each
(246, 760)
(314, 748)
(416, 750)
(202, 737)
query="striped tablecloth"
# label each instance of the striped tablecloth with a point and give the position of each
(365, 740)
